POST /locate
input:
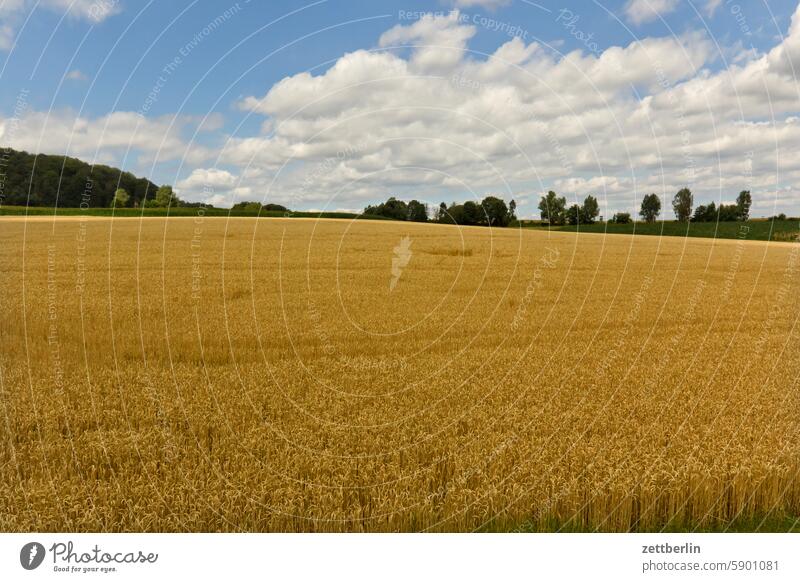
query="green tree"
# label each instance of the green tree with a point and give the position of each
(121, 198)
(495, 211)
(272, 207)
(392, 208)
(621, 218)
(247, 206)
(743, 203)
(590, 210)
(441, 215)
(417, 211)
(651, 208)
(728, 213)
(573, 215)
(165, 197)
(682, 204)
(455, 214)
(472, 213)
(552, 208)
(705, 213)
(72, 181)
(512, 209)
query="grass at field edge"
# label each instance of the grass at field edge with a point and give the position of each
(762, 230)
(774, 230)
(753, 524)
(180, 211)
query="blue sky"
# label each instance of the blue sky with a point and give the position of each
(246, 100)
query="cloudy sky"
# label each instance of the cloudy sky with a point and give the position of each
(335, 104)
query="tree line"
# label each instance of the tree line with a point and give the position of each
(69, 182)
(163, 197)
(259, 207)
(491, 211)
(553, 209)
(683, 202)
(45, 180)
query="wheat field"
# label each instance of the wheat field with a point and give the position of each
(212, 374)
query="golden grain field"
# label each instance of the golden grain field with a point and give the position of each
(268, 375)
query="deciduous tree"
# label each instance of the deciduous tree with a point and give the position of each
(651, 208)
(682, 204)
(743, 203)
(552, 208)
(590, 210)
(121, 198)
(417, 211)
(495, 211)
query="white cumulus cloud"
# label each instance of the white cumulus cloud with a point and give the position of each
(420, 116)
(103, 139)
(648, 116)
(13, 11)
(213, 186)
(641, 11)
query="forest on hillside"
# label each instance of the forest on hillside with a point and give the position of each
(69, 182)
